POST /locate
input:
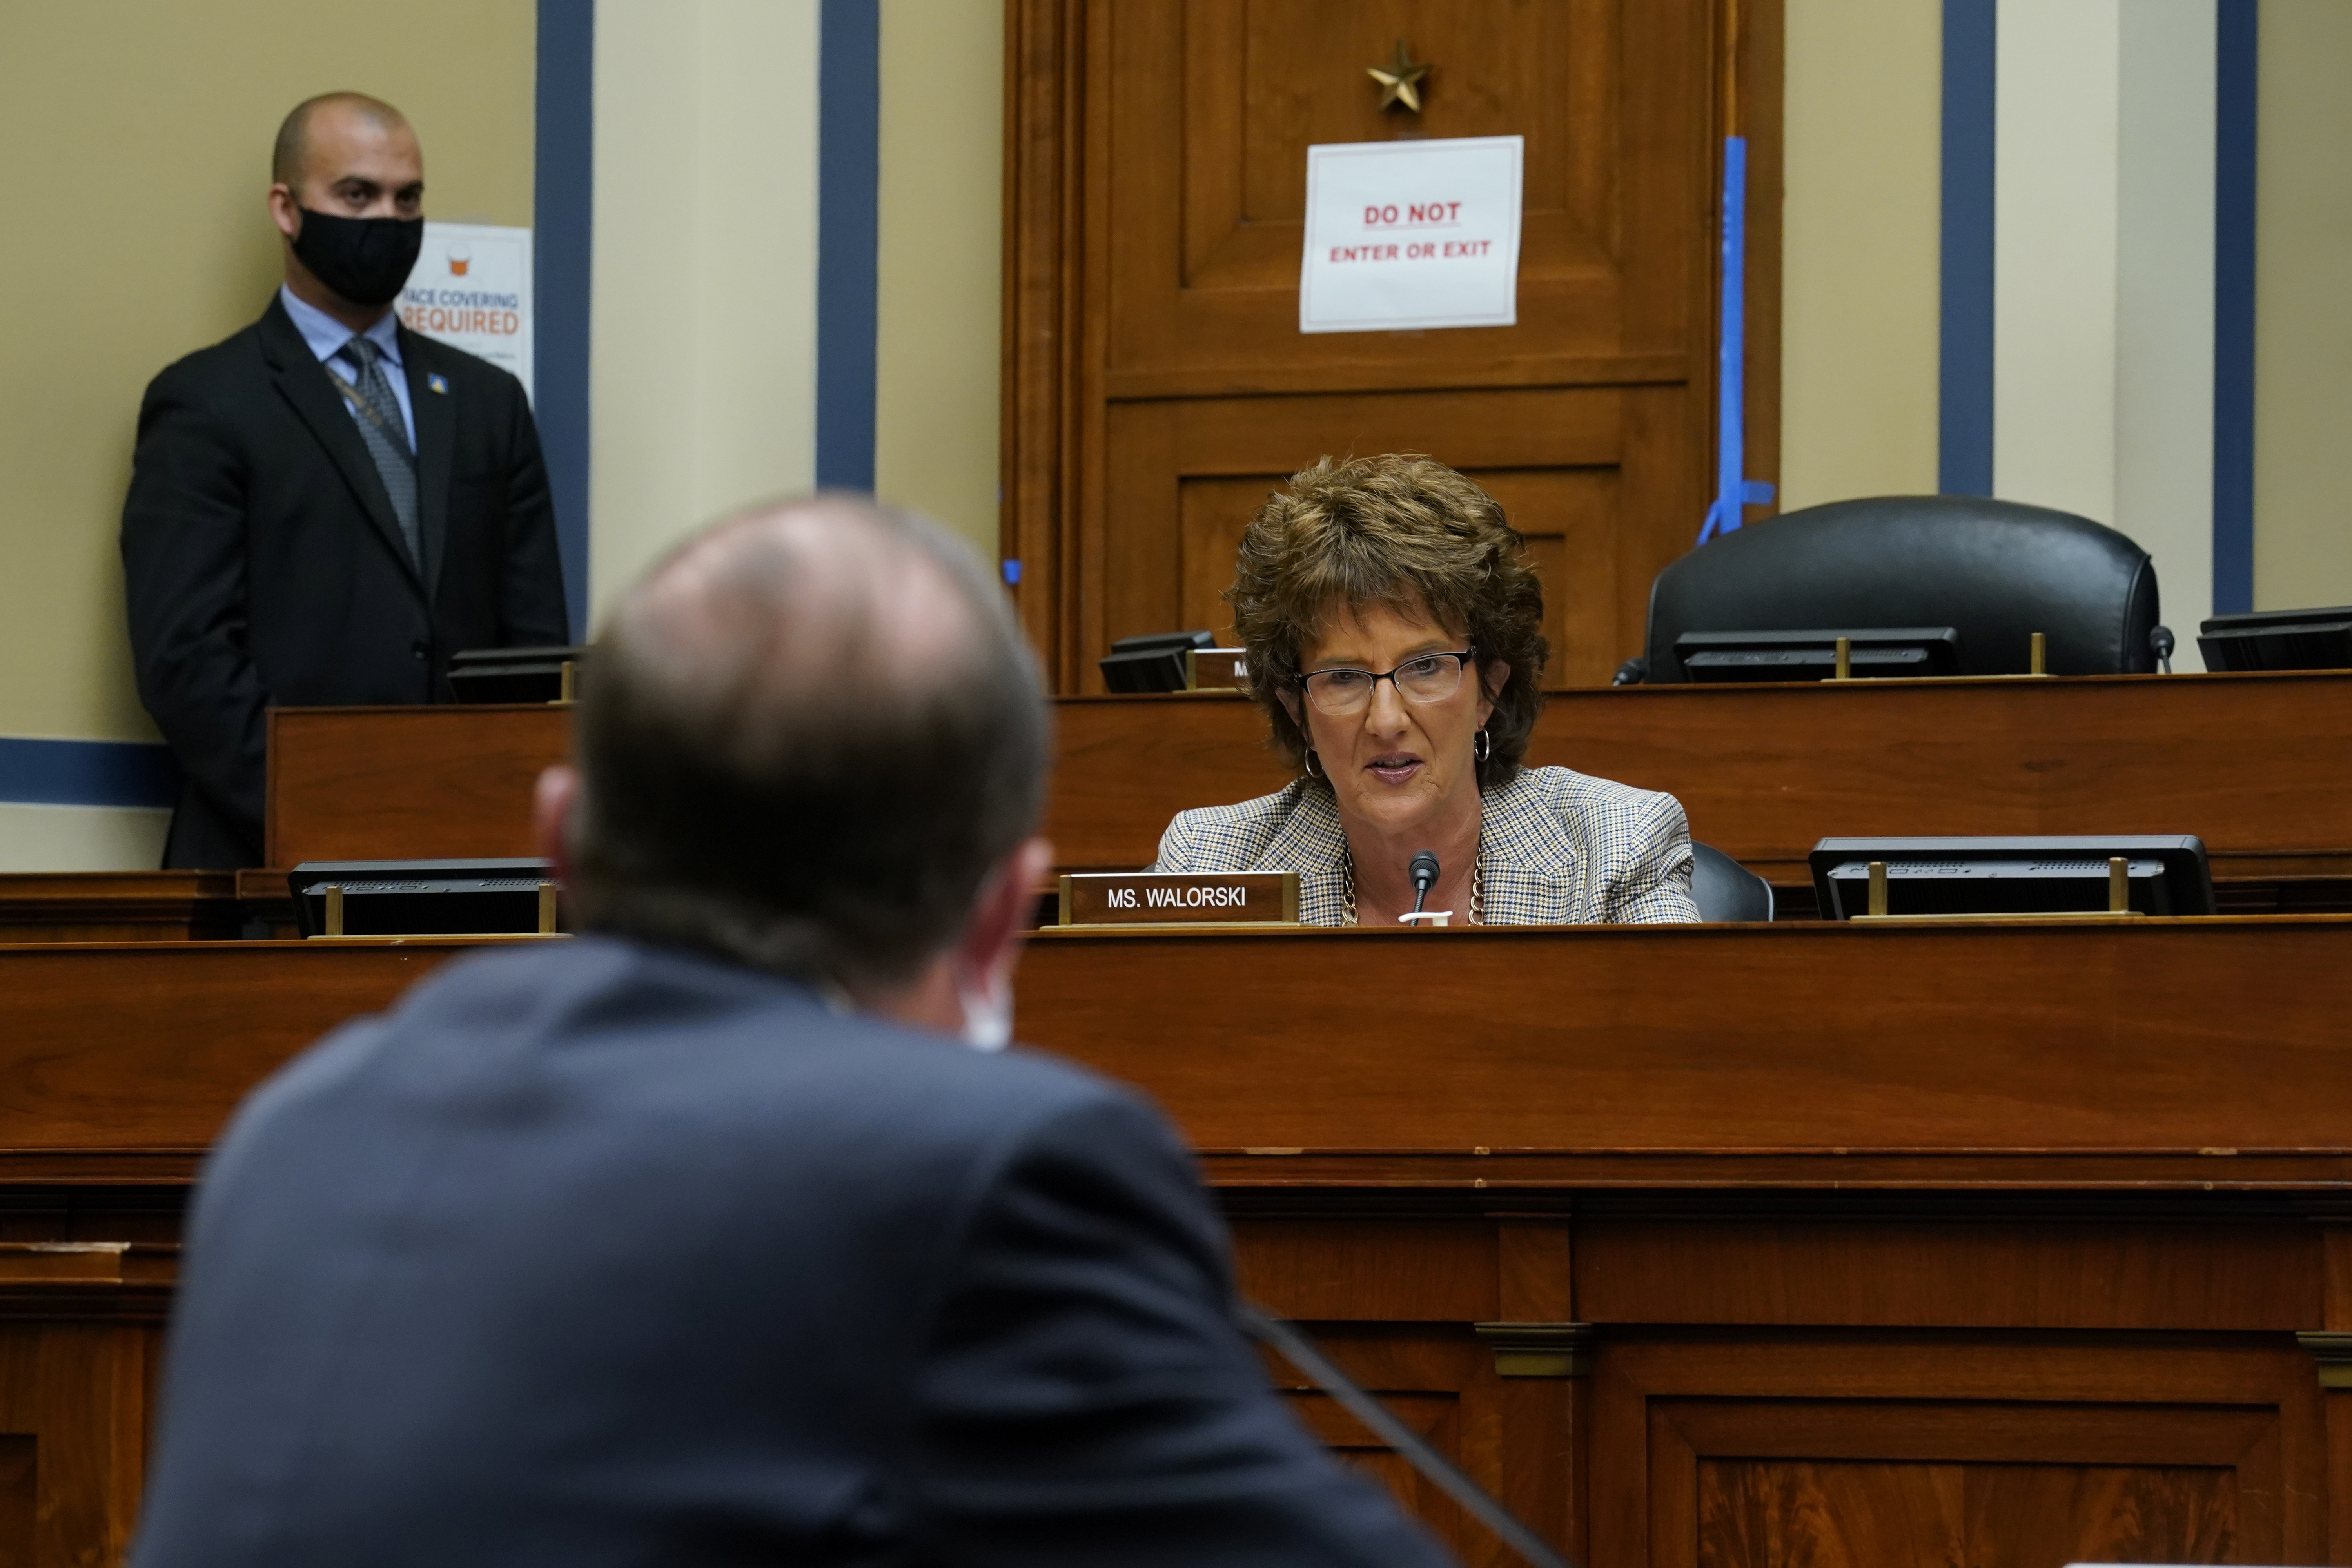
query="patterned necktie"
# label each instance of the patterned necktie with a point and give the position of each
(386, 436)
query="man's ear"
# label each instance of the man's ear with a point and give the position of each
(1006, 909)
(285, 209)
(554, 802)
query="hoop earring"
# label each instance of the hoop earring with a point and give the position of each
(1482, 747)
(1308, 763)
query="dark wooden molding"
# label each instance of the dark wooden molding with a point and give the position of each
(1044, 142)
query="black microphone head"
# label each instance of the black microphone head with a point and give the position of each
(1423, 867)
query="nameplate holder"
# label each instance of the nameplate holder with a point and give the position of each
(1180, 897)
(1215, 669)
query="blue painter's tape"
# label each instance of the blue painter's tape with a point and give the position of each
(1734, 491)
(1013, 572)
(87, 772)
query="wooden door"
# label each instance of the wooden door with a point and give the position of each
(1158, 386)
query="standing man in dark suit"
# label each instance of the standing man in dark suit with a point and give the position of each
(326, 506)
(709, 1238)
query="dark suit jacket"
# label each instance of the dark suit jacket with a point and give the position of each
(598, 1253)
(263, 566)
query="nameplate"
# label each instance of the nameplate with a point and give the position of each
(1215, 669)
(1180, 898)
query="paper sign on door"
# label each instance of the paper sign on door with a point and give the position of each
(1408, 235)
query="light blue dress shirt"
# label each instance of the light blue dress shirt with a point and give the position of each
(327, 337)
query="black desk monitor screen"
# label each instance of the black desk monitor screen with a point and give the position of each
(420, 897)
(2166, 874)
(1877, 652)
(512, 674)
(1153, 662)
(2278, 639)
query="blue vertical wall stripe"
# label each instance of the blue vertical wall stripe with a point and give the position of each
(87, 772)
(849, 166)
(562, 196)
(1964, 403)
(2236, 103)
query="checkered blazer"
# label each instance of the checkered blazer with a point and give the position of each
(1561, 848)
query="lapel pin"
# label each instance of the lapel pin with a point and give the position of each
(437, 383)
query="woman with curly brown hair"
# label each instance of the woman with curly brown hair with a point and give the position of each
(1394, 640)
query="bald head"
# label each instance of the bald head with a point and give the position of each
(803, 601)
(338, 117)
(807, 737)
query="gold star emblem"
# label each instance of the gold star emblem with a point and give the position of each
(1401, 81)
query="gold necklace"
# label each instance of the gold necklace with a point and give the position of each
(1477, 885)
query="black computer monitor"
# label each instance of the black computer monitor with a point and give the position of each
(2166, 874)
(1153, 662)
(512, 674)
(420, 897)
(2278, 639)
(1877, 652)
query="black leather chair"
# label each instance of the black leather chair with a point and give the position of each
(1996, 571)
(1724, 889)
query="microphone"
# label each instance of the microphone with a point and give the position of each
(1423, 867)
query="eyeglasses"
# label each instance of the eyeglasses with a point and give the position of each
(1432, 678)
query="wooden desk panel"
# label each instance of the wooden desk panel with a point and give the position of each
(118, 906)
(2170, 1050)
(121, 1062)
(364, 784)
(2256, 765)
(1635, 1055)
(2028, 1219)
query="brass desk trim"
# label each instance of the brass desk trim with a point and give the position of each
(2332, 1349)
(1539, 1350)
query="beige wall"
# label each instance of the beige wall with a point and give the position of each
(134, 152)
(937, 348)
(2103, 276)
(703, 326)
(1860, 261)
(2303, 332)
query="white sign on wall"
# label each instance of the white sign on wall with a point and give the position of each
(471, 289)
(1404, 235)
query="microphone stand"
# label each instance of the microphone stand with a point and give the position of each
(1299, 1350)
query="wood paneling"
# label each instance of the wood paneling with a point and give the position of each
(1763, 1514)
(2028, 1270)
(145, 1049)
(1904, 1266)
(73, 1416)
(1738, 1039)
(1442, 1385)
(2253, 764)
(118, 906)
(2104, 1048)
(1157, 382)
(344, 783)
(1369, 1271)
(1939, 1452)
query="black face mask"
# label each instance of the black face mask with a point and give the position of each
(365, 259)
